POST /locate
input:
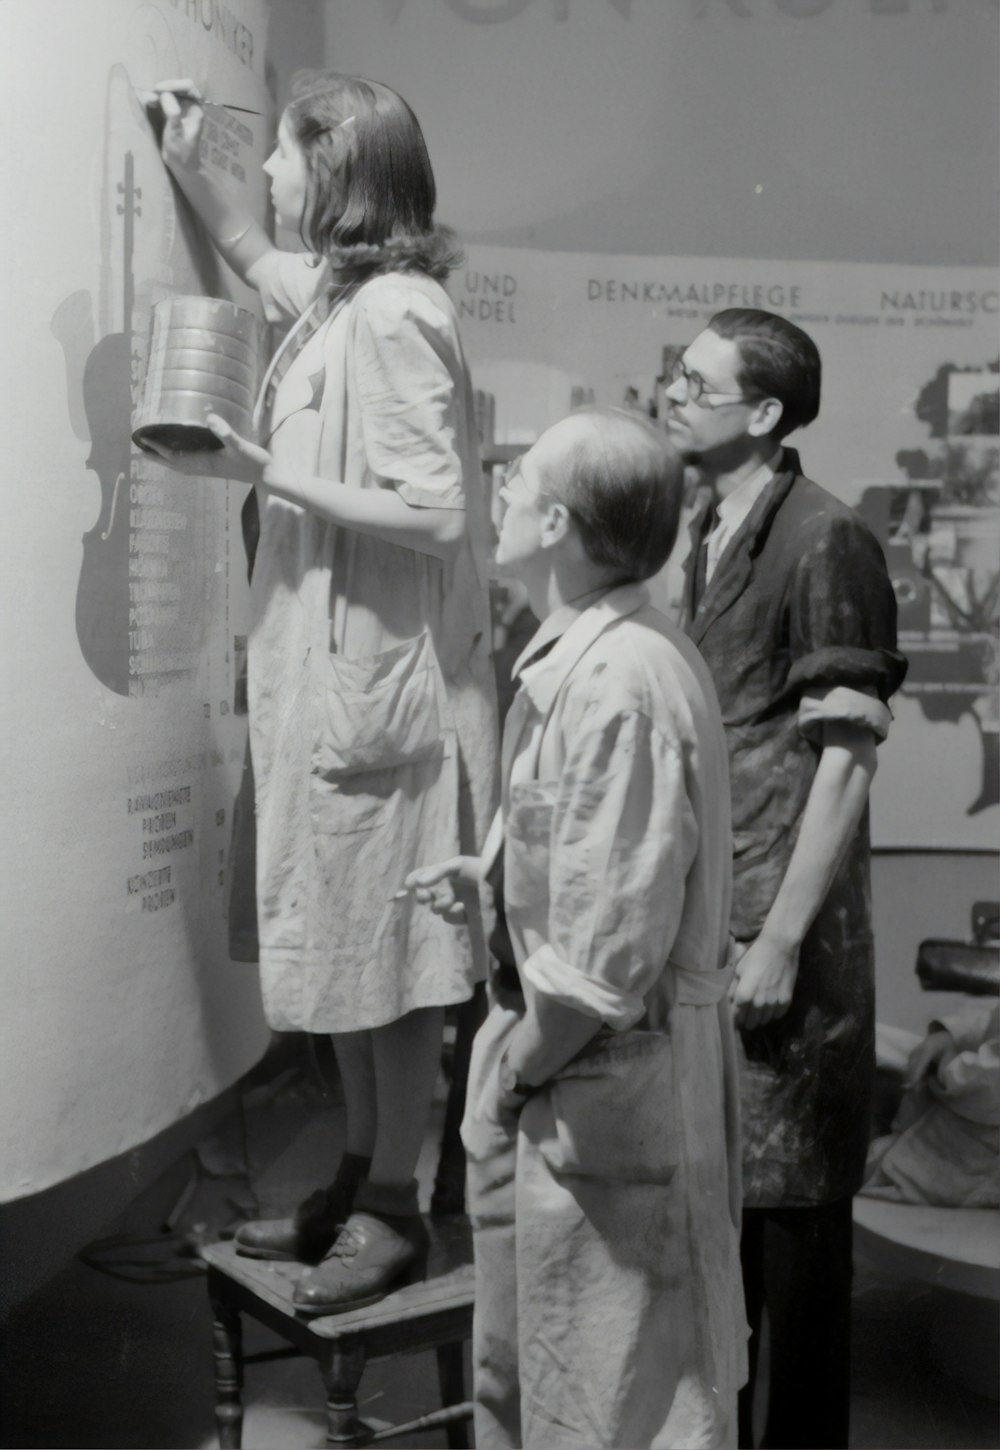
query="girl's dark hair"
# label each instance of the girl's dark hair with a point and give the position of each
(623, 485)
(371, 195)
(777, 360)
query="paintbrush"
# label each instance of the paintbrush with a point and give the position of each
(152, 98)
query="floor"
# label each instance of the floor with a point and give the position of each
(119, 1355)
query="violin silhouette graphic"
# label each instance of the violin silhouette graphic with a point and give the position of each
(108, 380)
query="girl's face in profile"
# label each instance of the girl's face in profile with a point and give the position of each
(286, 166)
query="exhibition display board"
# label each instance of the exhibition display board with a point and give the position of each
(124, 594)
(908, 434)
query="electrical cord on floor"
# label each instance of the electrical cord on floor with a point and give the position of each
(174, 1254)
(170, 1261)
(161, 1258)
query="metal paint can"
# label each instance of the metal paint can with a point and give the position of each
(203, 358)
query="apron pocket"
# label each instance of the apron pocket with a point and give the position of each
(379, 713)
(615, 1112)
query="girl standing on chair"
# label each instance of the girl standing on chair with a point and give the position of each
(372, 707)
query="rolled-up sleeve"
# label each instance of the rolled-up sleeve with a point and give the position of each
(622, 841)
(842, 630)
(405, 374)
(833, 704)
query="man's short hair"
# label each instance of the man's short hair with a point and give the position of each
(623, 484)
(777, 360)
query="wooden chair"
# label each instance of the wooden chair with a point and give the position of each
(436, 1314)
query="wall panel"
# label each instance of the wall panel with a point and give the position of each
(124, 597)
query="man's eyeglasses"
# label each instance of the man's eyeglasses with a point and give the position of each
(512, 472)
(694, 386)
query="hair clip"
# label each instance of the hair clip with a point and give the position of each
(343, 123)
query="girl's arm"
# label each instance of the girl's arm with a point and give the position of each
(380, 513)
(240, 239)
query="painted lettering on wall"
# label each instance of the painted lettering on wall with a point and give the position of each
(216, 17)
(694, 294)
(488, 296)
(944, 299)
(223, 142)
(162, 817)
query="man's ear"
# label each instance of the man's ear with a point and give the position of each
(556, 524)
(766, 417)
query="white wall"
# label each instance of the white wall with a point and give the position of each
(916, 897)
(120, 748)
(854, 130)
(295, 41)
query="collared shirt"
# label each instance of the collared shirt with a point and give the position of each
(546, 636)
(615, 800)
(735, 508)
(555, 625)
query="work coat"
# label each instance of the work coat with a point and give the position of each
(371, 698)
(609, 1307)
(798, 628)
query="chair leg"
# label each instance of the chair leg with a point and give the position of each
(451, 1376)
(227, 1350)
(342, 1367)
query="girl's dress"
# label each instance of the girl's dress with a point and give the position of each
(372, 704)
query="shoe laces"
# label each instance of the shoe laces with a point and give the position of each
(347, 1244)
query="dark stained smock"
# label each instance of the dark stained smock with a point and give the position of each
(798, 627)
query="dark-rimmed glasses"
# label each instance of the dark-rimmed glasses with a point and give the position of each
(694, 386)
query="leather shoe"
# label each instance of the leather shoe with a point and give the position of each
(371, 1257)
(305, 1236)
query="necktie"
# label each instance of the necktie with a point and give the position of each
(700, 578)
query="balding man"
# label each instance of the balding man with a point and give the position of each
(603, 1184)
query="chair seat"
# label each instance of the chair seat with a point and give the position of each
(449, 1284)
(433, 1315)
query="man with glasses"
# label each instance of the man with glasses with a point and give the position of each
(789, 601)
(602, 1142)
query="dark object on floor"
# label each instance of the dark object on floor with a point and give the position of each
(436, 1314)
(973, 966)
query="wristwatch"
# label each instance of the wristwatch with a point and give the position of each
(511, 1084)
